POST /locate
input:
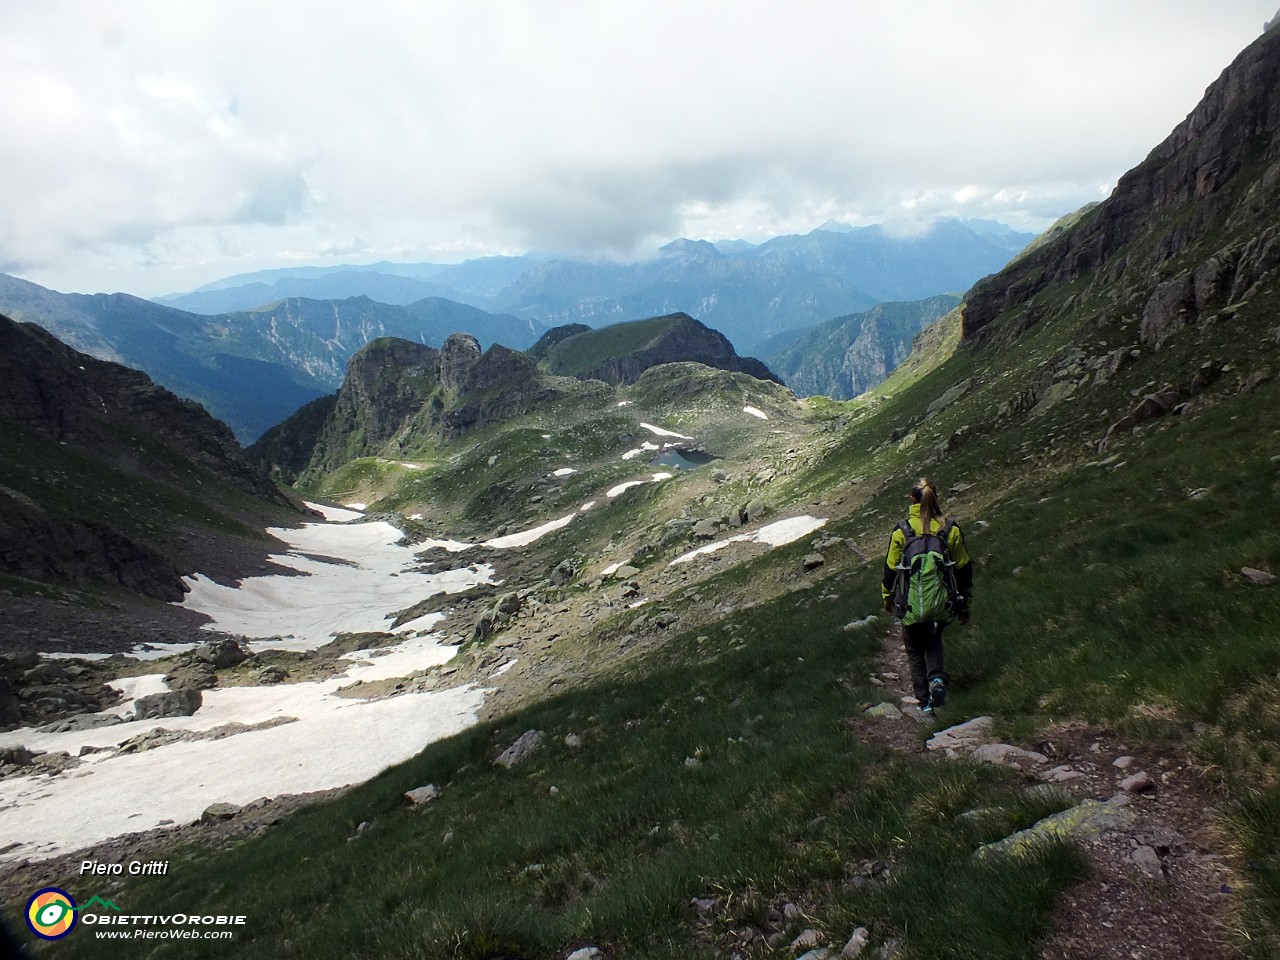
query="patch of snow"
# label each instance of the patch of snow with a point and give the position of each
(564, 472)
(529, 536)
(334, 514)
(658, 431)
(644, 447)
(415, 516)
(503, 669)
(452, 546)
(411, 466)
(356, 505)
(335, 741)
(622, 488)
(776, 534)
(621, 403)
(74, 656)
(611, 569)
(356, 596)
(586, 506)
(756, 412)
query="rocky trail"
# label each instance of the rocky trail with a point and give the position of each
(1160, 885)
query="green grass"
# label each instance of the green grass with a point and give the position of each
(782, 803)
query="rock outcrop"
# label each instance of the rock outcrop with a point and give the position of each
(1186, 235)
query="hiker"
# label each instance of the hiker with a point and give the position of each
(927, 581)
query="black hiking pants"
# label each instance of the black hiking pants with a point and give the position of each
(923, 642)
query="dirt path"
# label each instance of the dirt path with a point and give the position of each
(1162, 888)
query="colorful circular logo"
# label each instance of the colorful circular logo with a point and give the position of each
(51, 913)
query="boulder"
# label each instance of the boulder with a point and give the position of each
(528, 742)
(419, 796)
(175, 703)
(1088, 820)
(220, 654)
(217, 812)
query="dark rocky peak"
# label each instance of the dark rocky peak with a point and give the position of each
(458, 355)
(1187, 232)
(499, 366)
(554, 336)
(48, 388)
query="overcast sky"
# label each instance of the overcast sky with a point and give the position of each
(152, 145)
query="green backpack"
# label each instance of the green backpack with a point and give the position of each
(925, 589)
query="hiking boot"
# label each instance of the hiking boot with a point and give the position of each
(937, 693)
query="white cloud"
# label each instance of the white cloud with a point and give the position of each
(157, 144)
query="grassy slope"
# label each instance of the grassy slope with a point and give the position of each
(1106, 593)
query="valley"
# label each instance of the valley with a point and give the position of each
(580, 652)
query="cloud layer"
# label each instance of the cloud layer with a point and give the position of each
(157, 145)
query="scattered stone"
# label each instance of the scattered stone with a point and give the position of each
(572, 740)
(962, 737)
(1063, 774)
(813, 560)
(1147, 860)
(858, 942)
(563, 573)
(1123, 763)
(626, 572)
(1007, 754)
(884, 711)
(859, 624)
(272, 674)
(422, 795)
(528, 742)
(807, 940)
(1140, 782)
(822, 953)
(219, 811)
(1259, 577)
(586, 953)
(706, 529)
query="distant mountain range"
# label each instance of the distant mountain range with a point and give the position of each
(252, 368)
(749, 292)
(849, 355)
(256, 347)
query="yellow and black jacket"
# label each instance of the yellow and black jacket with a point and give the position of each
(955, 546)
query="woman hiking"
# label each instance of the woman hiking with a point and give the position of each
(928, 579)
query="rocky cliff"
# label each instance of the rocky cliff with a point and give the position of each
(400, 395)
(1186, 235)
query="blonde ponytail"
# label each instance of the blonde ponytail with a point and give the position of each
(930, 509)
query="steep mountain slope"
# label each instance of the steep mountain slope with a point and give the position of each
(620, 353)
(848, 355)
(102, 470)
(253, 368)
(401, 396)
